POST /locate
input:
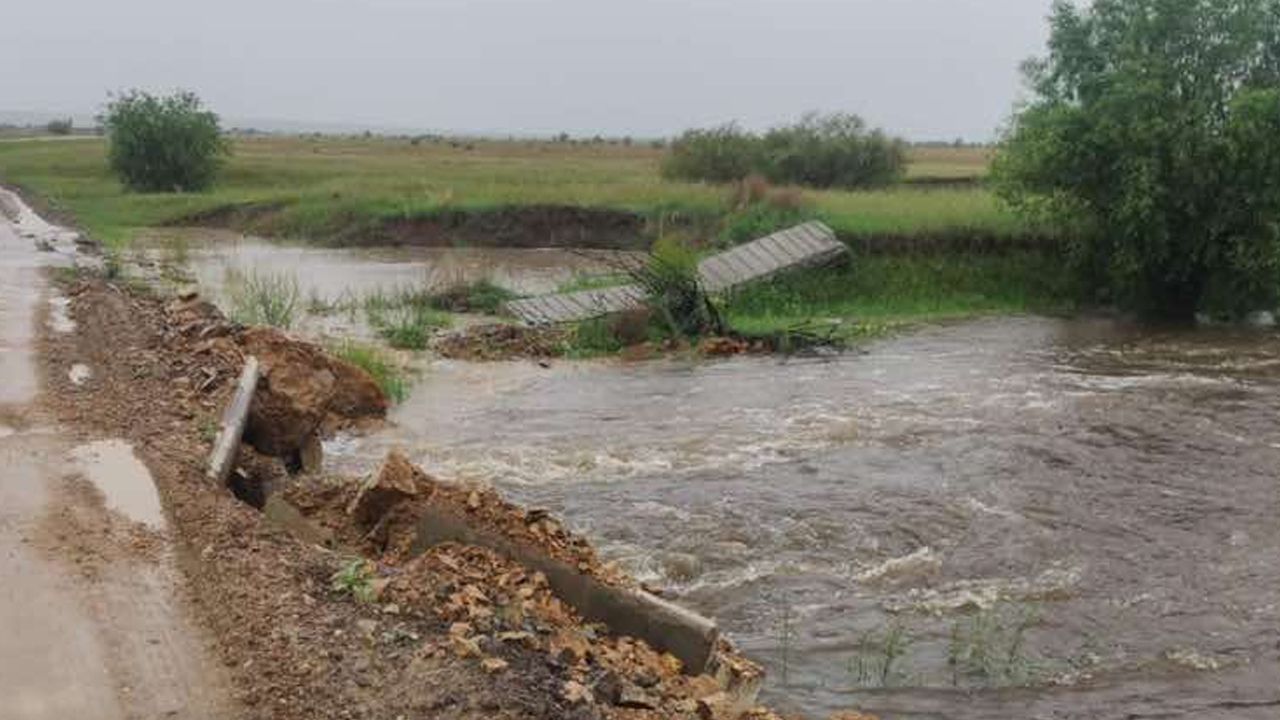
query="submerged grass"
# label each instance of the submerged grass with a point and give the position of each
(263, 298)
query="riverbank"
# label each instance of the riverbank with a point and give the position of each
(922, 252)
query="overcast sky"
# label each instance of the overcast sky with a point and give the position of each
(924, 69)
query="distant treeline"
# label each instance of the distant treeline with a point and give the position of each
(821, 151)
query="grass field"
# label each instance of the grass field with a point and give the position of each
(326, 185)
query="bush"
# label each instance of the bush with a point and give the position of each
(821, 151)
(163, 144)
(827, 151)
(1154, 140)
(721, 154)
(59, 127)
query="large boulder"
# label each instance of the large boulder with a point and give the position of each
(397, 481)
(301, 391)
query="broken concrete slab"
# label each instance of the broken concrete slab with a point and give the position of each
(625, 611)
(809, 245)
(233, 423)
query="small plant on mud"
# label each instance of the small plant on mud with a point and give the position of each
(408, 327)
(263, 298)
(875, 664)
(371, 360)
(356, 579)
(989, 648)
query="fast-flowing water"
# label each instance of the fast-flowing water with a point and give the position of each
(1006, 518)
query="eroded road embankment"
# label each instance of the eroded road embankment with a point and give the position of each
(91, 610)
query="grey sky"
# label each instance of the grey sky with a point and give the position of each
(920, 68)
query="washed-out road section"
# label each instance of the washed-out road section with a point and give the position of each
(91, 612)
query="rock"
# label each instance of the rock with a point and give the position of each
(608, 688)
(635, 698)
(301, 389)
(395, 482)
(493, 665)
(311, 455)
(716, 707)
(575, 692)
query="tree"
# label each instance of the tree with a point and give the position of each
(163, 144)
(61, 126)
(1153, 141)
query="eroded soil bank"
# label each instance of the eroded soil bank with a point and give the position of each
(354, 626)
(535, 226)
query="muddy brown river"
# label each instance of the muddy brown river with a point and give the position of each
(1027, 518)
(1004, 518)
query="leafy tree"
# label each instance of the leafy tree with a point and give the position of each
(1154, 139)
(163, 144)
(59, 127)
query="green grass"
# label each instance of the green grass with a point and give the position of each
(879, 291)
(331, 185)
(375, 362)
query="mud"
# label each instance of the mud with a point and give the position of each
(1108, 489)
(92, 610)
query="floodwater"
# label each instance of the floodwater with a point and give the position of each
(337, 274)
(1005, 518)
(1031, 518)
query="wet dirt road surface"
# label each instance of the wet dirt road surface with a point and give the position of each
(1004, 518)
(91, 615)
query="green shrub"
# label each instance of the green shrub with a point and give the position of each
(676, 295)
(822, 151)
(163, 144)
(720, 154)
(59, 127)
(1154, 139)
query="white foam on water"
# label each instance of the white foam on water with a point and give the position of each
(923, 561)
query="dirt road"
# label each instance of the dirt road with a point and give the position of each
(91, 607)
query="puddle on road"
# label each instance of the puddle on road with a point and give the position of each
(124, 481)
(79, 374)
(22, 235)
